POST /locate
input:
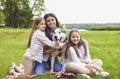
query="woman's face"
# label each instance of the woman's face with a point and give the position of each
(75, 38)
(51, 22)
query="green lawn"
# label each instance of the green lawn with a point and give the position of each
(103, 44)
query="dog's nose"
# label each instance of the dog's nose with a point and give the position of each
(56, 38)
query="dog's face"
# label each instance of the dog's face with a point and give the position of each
(59, 34)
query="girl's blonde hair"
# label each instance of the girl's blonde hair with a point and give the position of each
(34, 28)
(70, 43)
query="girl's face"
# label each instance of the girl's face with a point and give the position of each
(51, 22)
(41, 25)
(75, 38)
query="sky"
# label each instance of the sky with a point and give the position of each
(85, 11)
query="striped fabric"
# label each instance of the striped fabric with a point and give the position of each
(65, 73)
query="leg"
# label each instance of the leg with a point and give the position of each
(83, 76)
(77, 68)
(19, 69)
(57, 65)
(39, 68)
(97, 62)
(52, 64)
(28, 66)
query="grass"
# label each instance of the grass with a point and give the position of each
(102, 44)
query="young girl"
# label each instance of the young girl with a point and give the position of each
(35, 46)
(77, 57)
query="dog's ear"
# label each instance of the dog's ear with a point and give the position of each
(62, 30)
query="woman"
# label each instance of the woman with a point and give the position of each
(51, 23)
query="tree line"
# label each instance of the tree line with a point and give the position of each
(94, 26)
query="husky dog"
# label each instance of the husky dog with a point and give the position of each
(58, 35)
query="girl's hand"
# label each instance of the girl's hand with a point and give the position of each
(58, 44)
(92, 70)
(99, 68)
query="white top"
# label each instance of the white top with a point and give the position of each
(45, 57)
(72, 57)
(38, 40)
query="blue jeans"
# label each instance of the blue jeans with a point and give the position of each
(40, 68)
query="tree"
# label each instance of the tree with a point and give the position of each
(18, 13)
(38, 7)
(2, 17)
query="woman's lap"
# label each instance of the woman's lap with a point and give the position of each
(41, 68)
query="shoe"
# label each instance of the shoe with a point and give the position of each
(12, 70)
(13, 65)
(83, 76)
(21, 66)
(103, 74)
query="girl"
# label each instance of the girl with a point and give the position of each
(35, 46)
(77, 57)
(51, 23)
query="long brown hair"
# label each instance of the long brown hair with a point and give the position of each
(34, 28)
(70, 43)
(48, 29)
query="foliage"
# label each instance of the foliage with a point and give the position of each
(38, 7)
(105, 28)
(95, 26)
(2, 17)
(16, 12)
(103, 44)
(19, 14)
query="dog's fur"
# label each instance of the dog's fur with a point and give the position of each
(58, 34)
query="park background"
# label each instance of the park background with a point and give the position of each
(17, 16)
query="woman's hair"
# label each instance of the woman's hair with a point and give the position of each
(51, 15)
(48, 29)
(34, 28)
(70, 43)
